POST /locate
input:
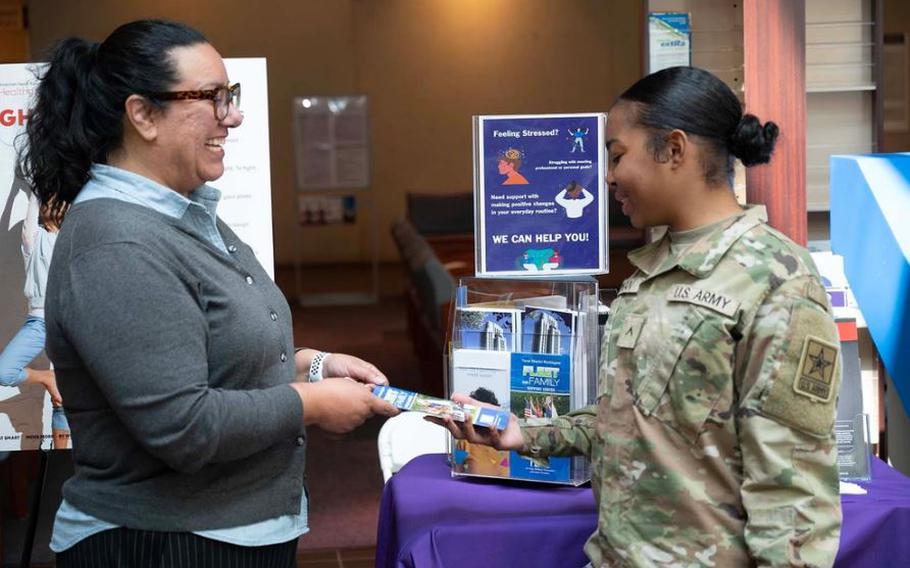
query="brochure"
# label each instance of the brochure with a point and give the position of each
(541, 391)
(548, 372)
(408, 400)
(483, 375)
(545, 330)
(490, 329)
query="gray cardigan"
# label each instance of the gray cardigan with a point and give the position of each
(174, 360)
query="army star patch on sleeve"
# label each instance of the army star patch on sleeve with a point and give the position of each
(815, 374)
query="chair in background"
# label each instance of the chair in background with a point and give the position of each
(406, 436)
(429, 288)
(446, 221)
(441, 213)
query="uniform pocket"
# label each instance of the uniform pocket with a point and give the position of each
(687, 373)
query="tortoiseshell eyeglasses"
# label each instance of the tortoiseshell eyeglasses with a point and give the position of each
(222, 98)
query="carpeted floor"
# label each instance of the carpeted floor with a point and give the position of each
(345, 486)
(343, 472)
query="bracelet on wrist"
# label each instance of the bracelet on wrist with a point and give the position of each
(316, 364)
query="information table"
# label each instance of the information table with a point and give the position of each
(428, 519)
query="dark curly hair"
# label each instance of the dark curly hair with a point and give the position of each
(701, 105)
(77, 119)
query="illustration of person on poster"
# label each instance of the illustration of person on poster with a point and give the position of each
(549, 212)
(578, 139)
(509, 164)
(574, 198)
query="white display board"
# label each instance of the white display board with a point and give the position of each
(246, 186)
(246, 206)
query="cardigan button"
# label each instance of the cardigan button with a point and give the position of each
(299, 441)
(273, 316)
(283, 357)
(232, 248)
(249, 280)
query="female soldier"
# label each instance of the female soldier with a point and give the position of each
(173, 347)
(711, 438)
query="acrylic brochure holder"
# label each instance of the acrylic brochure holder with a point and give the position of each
(528, 346)
(854, 451)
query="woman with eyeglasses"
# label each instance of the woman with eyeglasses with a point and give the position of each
(173, 348)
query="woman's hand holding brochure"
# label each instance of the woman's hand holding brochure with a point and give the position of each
(339, 405)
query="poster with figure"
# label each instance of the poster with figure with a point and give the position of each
(540, 196)
(30, 416)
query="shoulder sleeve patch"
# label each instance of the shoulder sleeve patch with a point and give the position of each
(803, 389)
(815, 373)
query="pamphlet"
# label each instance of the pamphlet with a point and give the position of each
(546, 330)
(853, 448)
(541, 391)
(484, 376)
(408, 400)
(490, 329)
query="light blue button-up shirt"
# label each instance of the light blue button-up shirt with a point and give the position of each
(72, 525)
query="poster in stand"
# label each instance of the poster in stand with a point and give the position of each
(540, 195)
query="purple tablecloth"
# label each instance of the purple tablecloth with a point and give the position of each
(876, 529)
(428, 519)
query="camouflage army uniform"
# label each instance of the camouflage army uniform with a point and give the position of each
(711, 439)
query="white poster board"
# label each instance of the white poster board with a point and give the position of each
(246, 186)
(25, 412)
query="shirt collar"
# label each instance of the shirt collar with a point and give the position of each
(702, 257)
(115, 183)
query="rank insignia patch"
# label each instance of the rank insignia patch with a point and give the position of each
(815, 374)
(631, 329)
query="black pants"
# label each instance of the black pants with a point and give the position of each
(128, 548)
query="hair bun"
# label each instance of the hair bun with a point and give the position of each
(753, 142)
(93, 49)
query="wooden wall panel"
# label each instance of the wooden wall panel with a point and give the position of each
(774, 48)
